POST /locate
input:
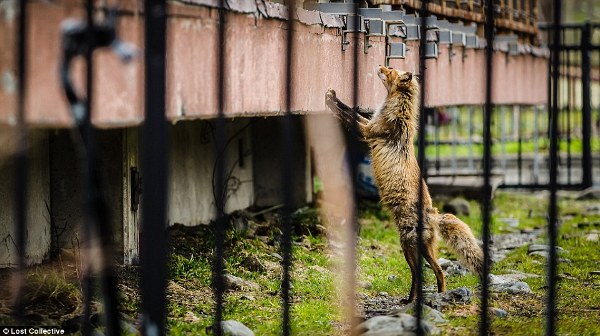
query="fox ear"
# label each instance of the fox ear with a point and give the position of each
(407, 77)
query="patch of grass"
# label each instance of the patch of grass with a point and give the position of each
(509, 147)
(578, 298)
(313, 310)
(51, 293)
(316, 310)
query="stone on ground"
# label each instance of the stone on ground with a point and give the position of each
(235, 328)
(398, 325)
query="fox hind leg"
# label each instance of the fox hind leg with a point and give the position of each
(411, 258)
(430, 256)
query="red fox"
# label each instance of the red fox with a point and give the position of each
(389, 134)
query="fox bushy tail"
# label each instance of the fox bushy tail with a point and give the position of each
(459, 237)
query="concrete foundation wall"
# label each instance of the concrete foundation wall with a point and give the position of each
(191, 170)
(38, 233)
(267, 138)
(66, 185)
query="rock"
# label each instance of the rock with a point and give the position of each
(398, 325)
(517, 275)
(512, 222)
(277, 256)
(235, 328)
(592, 237)
(392, 277)
(504, 279)
(236, 283)
(384, 294)
(545, 248)
(566, 276)
(458, 206)
(254, 264)
(499, 280)
(589, 193)
(440, 300)
(451, 268)
(543, 254)
(244, 226)
(190, 317)
(456, 269)
(264, 239)
(444, 262)
(365, 284)
(593, 210)
(429, 314)
(498, 256)
(501, 313)
(518, 287)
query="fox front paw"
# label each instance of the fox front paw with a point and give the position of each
(330, 95)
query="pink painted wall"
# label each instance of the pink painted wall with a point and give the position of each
(255, 74)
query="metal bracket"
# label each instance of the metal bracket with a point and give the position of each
(367, 35)
(431, 50)
(451, 53)
(373, 27)
(352, 24)
(394, 50)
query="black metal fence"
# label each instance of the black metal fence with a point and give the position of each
(570, 63)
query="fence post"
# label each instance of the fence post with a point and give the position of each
(21, 167)
(586, 117)
(154, 162)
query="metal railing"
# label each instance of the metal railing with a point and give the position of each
(155, 158)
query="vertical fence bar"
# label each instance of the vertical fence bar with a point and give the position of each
(288, 150)
(553, 185)
(502, 122)
(536, 152)
(471, 154)
(586, 69)
(89, 155)
(454, 116)
(423, 13)
(354, 157)
(218, 266)
(154, 163)
(436, 121)
(568, 108)
(597, 107)
(484, 325)
(21, 165)
(519, 125)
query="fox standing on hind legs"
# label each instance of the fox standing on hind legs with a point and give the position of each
(389, 134)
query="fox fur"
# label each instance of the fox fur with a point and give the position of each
(389, 134)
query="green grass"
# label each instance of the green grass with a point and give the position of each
(504, 126)
(578, 302)
(313, 308)
(575, 146)
(316, 309)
